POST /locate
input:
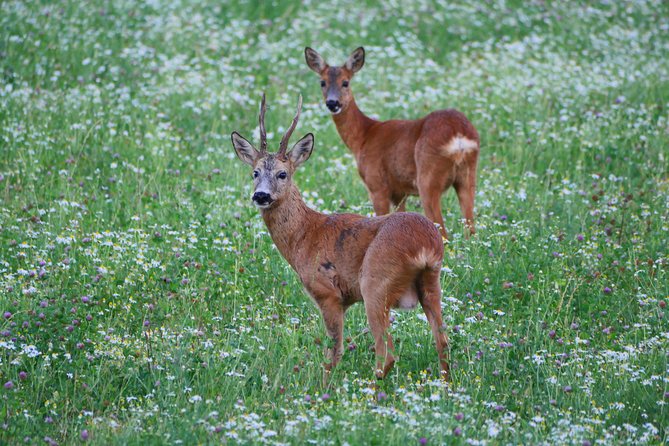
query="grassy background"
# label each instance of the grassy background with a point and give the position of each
(142, 298)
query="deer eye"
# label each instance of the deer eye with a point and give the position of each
(344, 84)
(282, 175)
(322, 83)
(256, 174)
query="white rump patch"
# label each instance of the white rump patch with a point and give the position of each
(428, 259)
(459, 147)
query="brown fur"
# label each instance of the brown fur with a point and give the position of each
(341, 259)
(398, 158)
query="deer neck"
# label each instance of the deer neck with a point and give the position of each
(289, 222)
(352, 125)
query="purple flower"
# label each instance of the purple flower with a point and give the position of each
(23, 375)
(7, 315)
(567, 389)
(84, 435)
(9, 385)
(422, 441)
(185, 281)
(499, 408)
(307, 398)
(325, 397)
(381, 396)
(147, 323)
(459, 416)
(551, 334)
(580, 237)
(457, 431)
(607, 290)
(85, 299)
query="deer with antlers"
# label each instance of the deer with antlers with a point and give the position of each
(392, 261)
(398, 158)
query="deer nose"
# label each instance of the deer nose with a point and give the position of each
(262, 198)
(332, 104)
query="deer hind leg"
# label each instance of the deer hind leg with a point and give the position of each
(379, 294)
(429, 295)
(430, 197)
(333, 317)
(434, 175)
(465, 187)
(379, 320)
(380, 201)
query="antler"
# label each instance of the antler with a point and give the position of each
(261, 121)
(284, 141)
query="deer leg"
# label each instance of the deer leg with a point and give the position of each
(378, 292)
(430, 197)
(380, 201)
(429, 294)
(466, 190)
(378, 318)
(333, 317)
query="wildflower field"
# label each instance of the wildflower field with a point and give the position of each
(142, 300)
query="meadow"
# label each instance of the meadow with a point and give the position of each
(143, 302)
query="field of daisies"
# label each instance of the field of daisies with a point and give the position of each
(143, 302)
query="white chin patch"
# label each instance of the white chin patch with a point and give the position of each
(336, 112)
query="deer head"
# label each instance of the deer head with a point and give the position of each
(335, 80)
(272, 172)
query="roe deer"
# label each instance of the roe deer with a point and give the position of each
(393, 261)
(398, 158)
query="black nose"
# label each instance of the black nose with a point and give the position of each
(332, 105)
(262, 197)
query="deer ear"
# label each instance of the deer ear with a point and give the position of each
(302, 149)
(314, 60)
(244, 149)
(356, 60)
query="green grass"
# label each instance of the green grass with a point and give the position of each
(144, 303)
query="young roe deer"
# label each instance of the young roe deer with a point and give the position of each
(393, 261)
(398, 158)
